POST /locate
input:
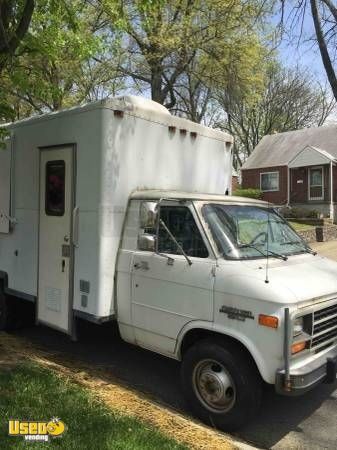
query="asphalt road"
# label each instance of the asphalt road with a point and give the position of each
(306, 422)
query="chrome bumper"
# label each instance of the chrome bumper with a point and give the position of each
(301, 380)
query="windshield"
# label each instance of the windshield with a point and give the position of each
(249, 232)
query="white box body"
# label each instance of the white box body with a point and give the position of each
(139, 147)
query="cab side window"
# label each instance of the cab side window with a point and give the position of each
(179, 220)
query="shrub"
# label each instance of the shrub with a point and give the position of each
(298, 213)
(250, 192)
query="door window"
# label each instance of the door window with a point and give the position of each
(55, 188)
(316, 184)
(180, 221)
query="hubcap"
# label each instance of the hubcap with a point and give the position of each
(214, 386)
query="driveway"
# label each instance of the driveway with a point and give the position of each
(328, 249)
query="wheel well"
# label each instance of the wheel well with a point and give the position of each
(198, 334)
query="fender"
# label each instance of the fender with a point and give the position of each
(211, 327)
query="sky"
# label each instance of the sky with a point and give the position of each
(303, 52)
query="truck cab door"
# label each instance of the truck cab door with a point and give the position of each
(167, 292)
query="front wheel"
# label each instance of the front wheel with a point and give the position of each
(221, 383)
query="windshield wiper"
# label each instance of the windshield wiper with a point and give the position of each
(277, 255)
(306, 247)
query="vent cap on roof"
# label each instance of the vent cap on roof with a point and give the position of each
(134, 103)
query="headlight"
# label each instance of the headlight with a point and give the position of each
(298, 326)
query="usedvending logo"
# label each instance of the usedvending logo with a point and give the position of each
(36, 430)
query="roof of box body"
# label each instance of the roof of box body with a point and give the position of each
(281, 148)
(153, 194)
(133, 106)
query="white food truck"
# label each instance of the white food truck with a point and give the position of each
(117, 211)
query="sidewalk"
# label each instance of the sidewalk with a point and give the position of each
(328, 249)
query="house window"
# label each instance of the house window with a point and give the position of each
(316, 183)
(269, 181)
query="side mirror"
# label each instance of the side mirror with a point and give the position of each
(147, 242)
(148, 214)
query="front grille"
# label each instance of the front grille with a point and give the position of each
(326, 312)
(324, 331)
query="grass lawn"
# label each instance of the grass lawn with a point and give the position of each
(29, 392)
(300, 226)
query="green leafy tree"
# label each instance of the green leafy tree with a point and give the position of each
(15, 17)
(56, 57)
(164, 39)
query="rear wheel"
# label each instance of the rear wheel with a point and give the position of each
(15, 313)
(7, 313)
(221, 383)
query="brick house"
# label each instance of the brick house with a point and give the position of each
(235, 180)
(297, 168)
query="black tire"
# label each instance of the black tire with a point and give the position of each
(24, 313)
(7, 313)
(15, 313)
(221, 383)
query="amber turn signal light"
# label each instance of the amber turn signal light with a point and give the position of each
(298, 347)
(268, 321)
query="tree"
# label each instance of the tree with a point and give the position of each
(15, 17)
(163, 39)
(322, 39)
(194, 96)
(56, 67)
(324, 17)
(291, 100)
(198, 88)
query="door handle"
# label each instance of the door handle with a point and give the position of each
(63, 264)
(75, 226)
(144, 265)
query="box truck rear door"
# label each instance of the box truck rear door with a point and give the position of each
(55, 251)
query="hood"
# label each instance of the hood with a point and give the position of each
(307, 277)
(303, 279)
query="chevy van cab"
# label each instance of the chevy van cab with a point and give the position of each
(225, 285)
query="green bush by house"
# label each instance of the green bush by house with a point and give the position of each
(292, 212)
(250, 193)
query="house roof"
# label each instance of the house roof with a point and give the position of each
(311, 156)
(279, 149)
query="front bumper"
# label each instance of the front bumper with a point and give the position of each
(303, 379)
